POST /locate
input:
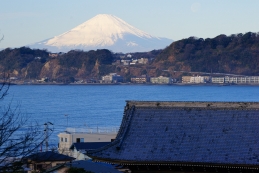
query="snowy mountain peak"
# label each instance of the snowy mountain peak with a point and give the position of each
(102, 31)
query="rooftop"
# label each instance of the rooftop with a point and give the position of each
(214, 133)
(49, 156)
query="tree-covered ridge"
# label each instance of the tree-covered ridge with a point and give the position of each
(17, 58)
(78, 58)
(237, 54)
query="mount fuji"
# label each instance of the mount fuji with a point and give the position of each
(104, 32)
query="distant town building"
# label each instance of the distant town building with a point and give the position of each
(13, 78)
(112, 78)
(242, 79)
(217, 80)
(161, 80)
(196, 79)
(117, 62)
(199, 79)
(129, 56)
(125, 62)
(133, 62)
(143, 60)
(236, 79)
(186, 79)
(44, 79)
(140, 79)
(53, 55)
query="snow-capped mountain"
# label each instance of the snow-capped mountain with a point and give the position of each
(104, 32)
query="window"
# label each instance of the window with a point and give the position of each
(78, 140)
(65, 139)
(61, 139)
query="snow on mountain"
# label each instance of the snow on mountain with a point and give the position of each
(104, 32)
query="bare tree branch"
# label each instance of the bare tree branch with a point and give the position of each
(17, 139)
(2, 38)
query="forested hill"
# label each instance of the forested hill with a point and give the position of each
(237, 54)
(26, 63)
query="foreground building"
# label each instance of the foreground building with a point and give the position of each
(71, 136)
(43, 161)
(186, 137)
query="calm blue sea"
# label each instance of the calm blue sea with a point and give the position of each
(102, 105)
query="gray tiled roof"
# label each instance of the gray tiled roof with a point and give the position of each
(190, 132)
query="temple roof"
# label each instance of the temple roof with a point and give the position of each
(186, 132)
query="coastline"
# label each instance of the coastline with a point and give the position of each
(146, 84)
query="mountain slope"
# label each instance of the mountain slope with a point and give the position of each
(104, 31)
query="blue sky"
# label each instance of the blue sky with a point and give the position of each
(23, 22)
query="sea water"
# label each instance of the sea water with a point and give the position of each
(96, 106)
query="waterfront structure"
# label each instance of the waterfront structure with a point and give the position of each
(186, 79)
(161, 80)
(70, 136)
(186, 137)
(199, 79)
(242, 79)
(236, 79)
(112, 78)
(195, 79)
(217, 80)
(140, 79)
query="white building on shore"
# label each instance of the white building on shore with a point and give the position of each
(236, 79)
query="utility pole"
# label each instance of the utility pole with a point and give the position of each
(46, 131)
(67, 119)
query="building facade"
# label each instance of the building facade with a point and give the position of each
(161, 80)
(67, 138)
(112, 78)
(140, 79)
(236, 79)
(186, 79)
